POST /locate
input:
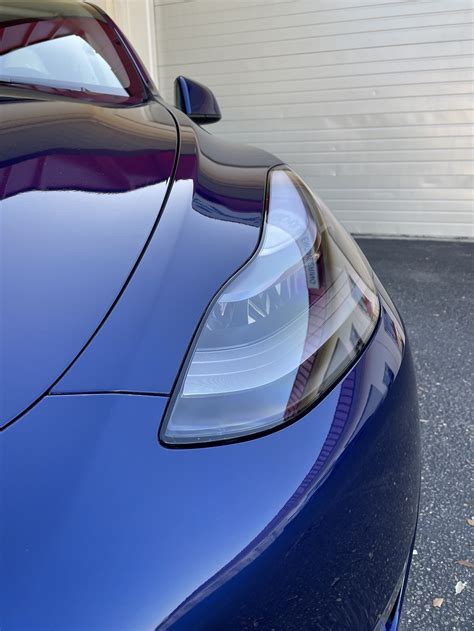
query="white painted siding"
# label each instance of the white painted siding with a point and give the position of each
(369, 100)
(136, 20)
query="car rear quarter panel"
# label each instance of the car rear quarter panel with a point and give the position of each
(210, 227)
(305, 528)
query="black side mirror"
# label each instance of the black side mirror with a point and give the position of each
(197, 101)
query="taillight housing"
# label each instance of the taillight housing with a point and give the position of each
(281, 332)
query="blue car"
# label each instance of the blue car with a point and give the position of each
(208, 406)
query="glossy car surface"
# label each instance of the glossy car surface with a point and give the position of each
(121, 220)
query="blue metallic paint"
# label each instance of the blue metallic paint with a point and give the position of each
(196, 101)
(81, 188)
(182, 91)
(308, 527)
(100, 525)
(209, 229)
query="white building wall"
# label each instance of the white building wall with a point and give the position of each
(369, 100)
(136, 19)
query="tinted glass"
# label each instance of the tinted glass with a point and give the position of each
(63, 48)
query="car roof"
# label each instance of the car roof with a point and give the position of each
(21, 9)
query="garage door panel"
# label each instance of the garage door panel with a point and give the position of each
(391, 181)
(238, 130)
(359, 196)
(315, 31)
(335, 45)
(369, 94)
(248, 15)
(269, 89)
(371, 147)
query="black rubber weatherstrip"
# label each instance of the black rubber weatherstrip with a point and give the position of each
(124, 287)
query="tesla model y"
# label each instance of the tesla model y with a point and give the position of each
(207, 401)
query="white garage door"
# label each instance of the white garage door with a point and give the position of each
(370, 100)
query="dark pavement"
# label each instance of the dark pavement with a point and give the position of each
(433, 287)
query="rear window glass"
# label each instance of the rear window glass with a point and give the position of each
(66, 49)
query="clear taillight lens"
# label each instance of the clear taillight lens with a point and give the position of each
(282, 331)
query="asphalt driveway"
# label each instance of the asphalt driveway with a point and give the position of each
(432, 283)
